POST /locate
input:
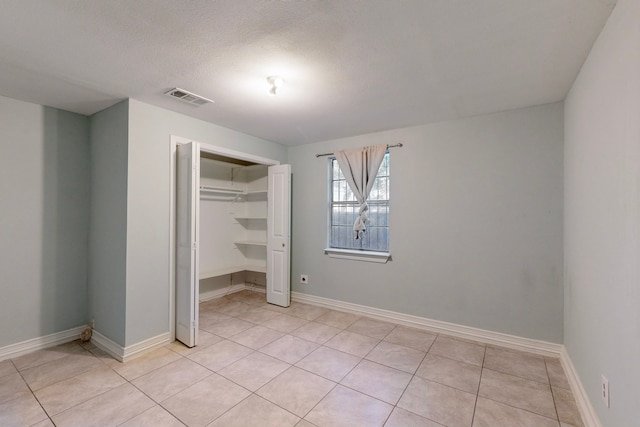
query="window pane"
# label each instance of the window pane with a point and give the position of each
(344, 211)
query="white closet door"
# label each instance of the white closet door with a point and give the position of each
(279, 236)
(187, 212)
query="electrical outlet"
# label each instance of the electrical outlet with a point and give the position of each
(605, 391)
(304, 279)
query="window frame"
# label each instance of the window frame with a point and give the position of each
(352, 254)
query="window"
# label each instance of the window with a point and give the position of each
(344, 209)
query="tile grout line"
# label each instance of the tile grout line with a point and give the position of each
(475, 406)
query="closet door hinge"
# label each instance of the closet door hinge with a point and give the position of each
(194, 246)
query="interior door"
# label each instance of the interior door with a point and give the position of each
(279, 235)
(187, 212)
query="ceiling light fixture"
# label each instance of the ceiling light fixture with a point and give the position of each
(276, 83)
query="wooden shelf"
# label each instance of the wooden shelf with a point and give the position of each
(250, 243)
(222, 190)
(232, 269)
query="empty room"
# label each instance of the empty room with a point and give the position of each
(320, 213)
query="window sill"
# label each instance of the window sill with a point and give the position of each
(355, 255)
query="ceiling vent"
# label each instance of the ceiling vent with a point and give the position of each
(186, 96)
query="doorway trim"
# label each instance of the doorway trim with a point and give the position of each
(211, 149)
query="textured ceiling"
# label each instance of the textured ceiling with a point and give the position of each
(350, 67)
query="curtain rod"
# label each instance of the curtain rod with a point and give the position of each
(399, 144)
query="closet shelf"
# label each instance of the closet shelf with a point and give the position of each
(250, 243)
(251, 218)
(232, 269)
(222, 190)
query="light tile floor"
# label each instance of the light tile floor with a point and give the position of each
(262, 365)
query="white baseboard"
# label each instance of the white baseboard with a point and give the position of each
(209, 295)
(18, 349)
(488, 337)
(124, 354)
(114, 349)
(589, 416)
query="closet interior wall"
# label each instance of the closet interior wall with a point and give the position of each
(232, 226)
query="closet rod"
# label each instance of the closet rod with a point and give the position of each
(399, 144)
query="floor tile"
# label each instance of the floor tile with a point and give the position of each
(329, 363)
(12, 386)
(205, 339)
(249, 297)
(439, 403)
(344, 407)
(6, 368)
(79, 384)
(146, 363)
(154, 417)
(228, 328)
(463, 351)
(170, 379)
(306, 311)
(214, 304)
(411, 337)
(205, 401)
(256, 411)
(24, 410)
(46, 355)
(219, 355)
(258, 315)
(403, 418)
(233, 308)
(371, 328)
(396, 356)
(73, 391)
(256, 337)
(525, 365)
(566, 407)
(379, 381)
(316, 332)
(456, 374)
(289, 348)
(60, 369)
(279, 309)
(519, 392)
(352, 343)
(337, 319)
(44, 423)
(254, 371)
(491, 414)
(211, 317)
(285, 323)
(296, 390)
(112, 408)
(557, 376)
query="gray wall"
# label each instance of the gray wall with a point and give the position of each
(44, 205)
(476, 224)
(602, 218)
(148, 206)
(108, 230)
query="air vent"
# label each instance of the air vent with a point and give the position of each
(189, 97)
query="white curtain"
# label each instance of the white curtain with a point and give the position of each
(360, 167)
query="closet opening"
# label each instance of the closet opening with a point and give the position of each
(232, 230)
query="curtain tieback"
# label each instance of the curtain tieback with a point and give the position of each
(362, 221)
